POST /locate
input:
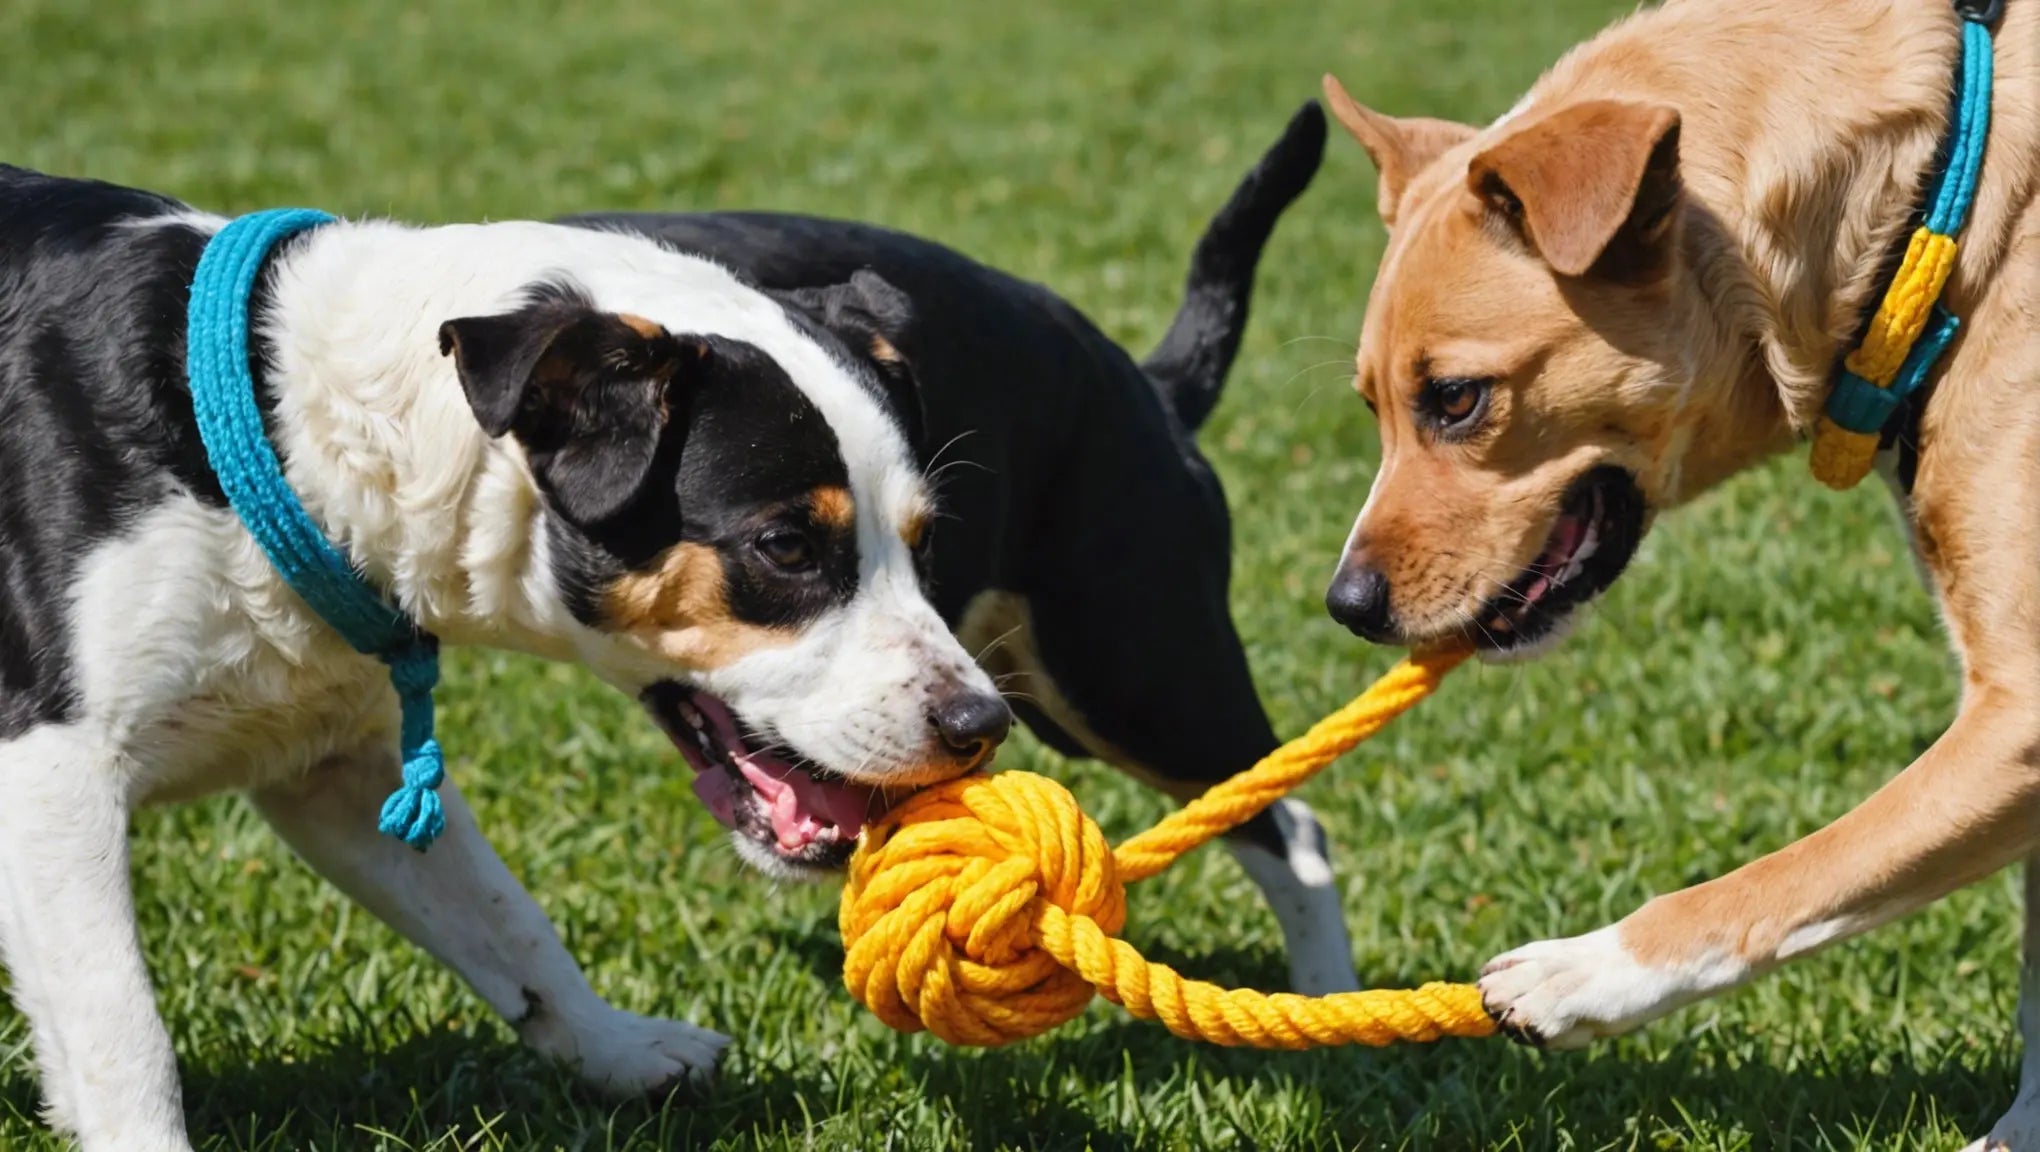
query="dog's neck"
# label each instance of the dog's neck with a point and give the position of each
(1806, 141)
(382, 448)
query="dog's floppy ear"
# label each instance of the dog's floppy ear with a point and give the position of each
(1592, 183)
(584, 391)
(1400, 148)
(876, 320)
(867, 312)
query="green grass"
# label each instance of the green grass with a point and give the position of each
(1769, 660)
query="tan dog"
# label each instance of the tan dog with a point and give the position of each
(1637, 283)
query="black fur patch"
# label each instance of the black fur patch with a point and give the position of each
(739, 451)
(99, 427)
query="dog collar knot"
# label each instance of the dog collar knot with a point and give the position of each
(1910, 330)
(240, 455)
(987, 909)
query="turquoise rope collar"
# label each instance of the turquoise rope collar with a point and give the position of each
(237, 448)
(1860, 405)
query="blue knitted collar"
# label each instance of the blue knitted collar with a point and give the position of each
(238, 450)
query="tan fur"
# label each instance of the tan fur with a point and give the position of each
(832, 508)
(1802, 141)
(882, 350)
(649, 329)
(678, 609)
(914, 529)
(1399, 148)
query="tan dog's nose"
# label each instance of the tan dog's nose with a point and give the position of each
(1358, 598)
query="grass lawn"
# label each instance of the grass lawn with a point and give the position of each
(1767, 663)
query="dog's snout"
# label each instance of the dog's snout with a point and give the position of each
(971, 724)
(1358, 598)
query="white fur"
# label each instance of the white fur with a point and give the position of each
(459, 903)
(1304, 895)
(1567, 993)
(383, 447)
(197, 670)
(2018, 1130)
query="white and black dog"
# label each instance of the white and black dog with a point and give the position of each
(1084, 549)
(559, 441)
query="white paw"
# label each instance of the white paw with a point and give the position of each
(625, 1054)
(1567, 993)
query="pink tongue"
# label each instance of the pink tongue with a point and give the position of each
(1565, 541)
(801, 807)
(719, 792)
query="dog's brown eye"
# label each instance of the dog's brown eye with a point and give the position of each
(1454, 401)
(787, 550)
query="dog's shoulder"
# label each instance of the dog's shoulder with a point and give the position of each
(99, 428)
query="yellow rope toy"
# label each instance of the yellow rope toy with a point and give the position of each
(986, 910)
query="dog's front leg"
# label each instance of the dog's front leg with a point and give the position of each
(1967, 807)
(2019, 1128)
(459, 903)
(67, 921)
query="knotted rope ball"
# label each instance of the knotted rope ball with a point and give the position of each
(987, 909)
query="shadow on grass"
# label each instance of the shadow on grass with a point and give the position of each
(1454, 1094)
(1062, 1094)
(427, 1088)
(1464, 1094)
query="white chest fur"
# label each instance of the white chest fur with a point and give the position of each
(205, 669)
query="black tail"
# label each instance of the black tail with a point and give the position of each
(1190, 364)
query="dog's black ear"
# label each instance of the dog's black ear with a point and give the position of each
(866, 312)
(585, 392)
(876, 320)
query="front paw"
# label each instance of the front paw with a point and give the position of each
(1567, 993)
(625, 1055)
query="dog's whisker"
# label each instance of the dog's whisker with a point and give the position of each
(1340, 341)
(993, 644)
(936, 457)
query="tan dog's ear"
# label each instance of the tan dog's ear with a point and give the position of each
(1591, 180)
(1399, 148)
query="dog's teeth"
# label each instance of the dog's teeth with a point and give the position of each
(693, 716)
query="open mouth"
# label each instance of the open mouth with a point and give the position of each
(1600, 523)
(798, 815)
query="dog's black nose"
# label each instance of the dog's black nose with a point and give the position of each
(971, 724)
(1358, 598)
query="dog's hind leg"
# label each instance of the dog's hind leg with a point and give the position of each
(67, 923)
(1283, 851)
(460, 903)
(2019, 1129)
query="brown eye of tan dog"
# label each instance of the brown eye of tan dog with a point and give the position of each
(787, 550)
(1453, 403)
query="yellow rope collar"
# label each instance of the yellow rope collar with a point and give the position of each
(1909, 331)
(987, 909)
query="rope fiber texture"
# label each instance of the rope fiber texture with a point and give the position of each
(987, 909)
